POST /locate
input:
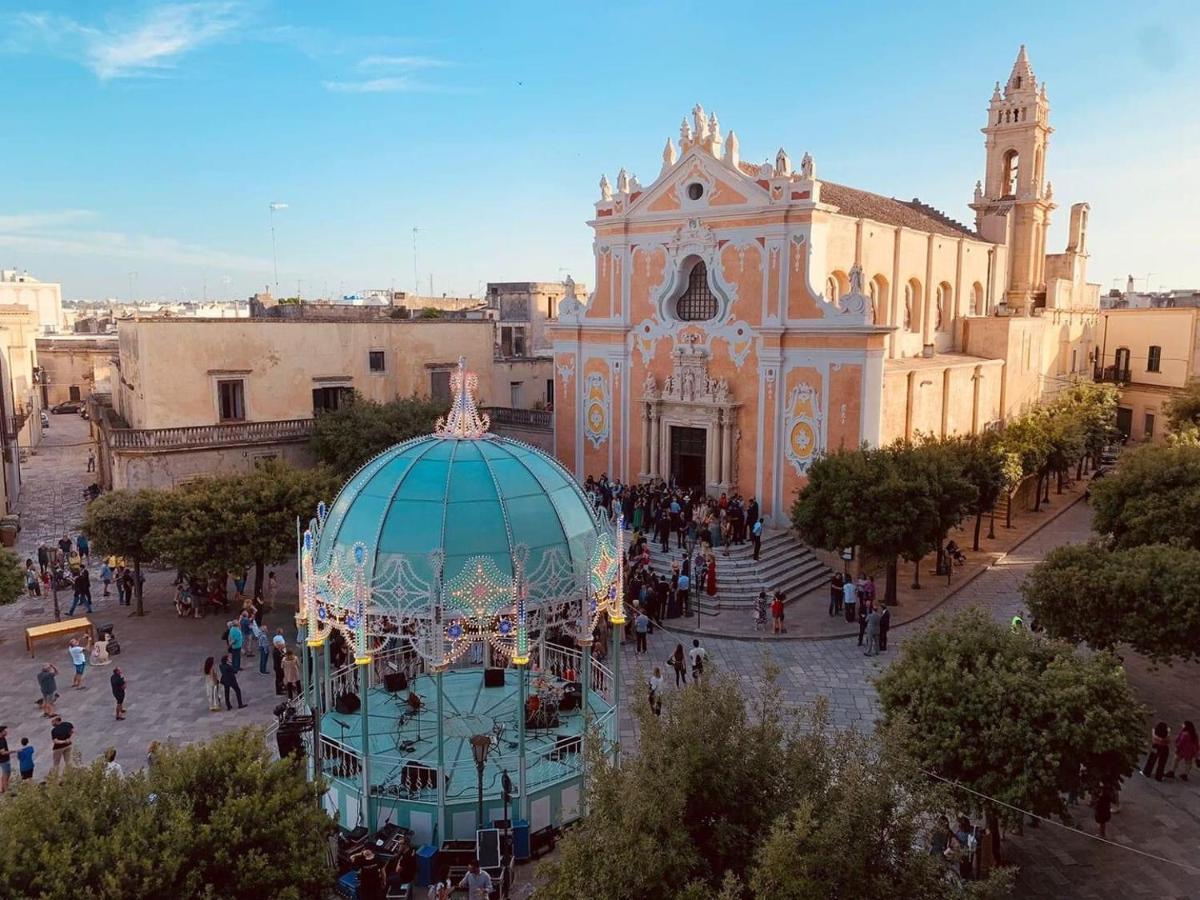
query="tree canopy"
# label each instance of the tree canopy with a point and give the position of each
(733, 802)
(1183, 413)
(1143, 596)
(1152, 498)
(214, 820)
(347, 437)
(12, 577)
(1016, 717)
(119, 523)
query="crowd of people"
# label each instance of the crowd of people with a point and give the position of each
(857, 602)
(65, 566)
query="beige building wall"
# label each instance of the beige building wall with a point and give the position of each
(82, 363)
(170, 368)
(946, 395)
(167, 470)
(42, 297)
(523, 383)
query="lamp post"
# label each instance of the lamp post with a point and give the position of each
(481, 745)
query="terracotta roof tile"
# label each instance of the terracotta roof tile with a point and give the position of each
(909, 214)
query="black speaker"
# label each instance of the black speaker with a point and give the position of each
(347, 703)
(290, 741)
(569, 701)
(395, 682)
(493, 678)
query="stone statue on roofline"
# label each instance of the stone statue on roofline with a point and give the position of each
(605, 188)
(808, 168)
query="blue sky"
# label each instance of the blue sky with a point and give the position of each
(150, 138)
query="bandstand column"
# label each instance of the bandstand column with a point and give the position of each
(585, 663)
(326, 676)
(364, 680)
(522, 691)
(441, 758)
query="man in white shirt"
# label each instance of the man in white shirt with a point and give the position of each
(477, 882)
(699, 657)
(78, 660)
(850, 599)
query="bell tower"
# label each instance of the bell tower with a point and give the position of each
(1013, 203)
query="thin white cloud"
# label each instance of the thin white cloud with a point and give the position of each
(147, 45)
(402, 62)
(386, 85)
(51, 232)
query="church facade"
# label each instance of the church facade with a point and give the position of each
(747, 317)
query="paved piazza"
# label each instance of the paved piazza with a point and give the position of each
(162, 657)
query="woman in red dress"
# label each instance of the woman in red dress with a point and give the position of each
(710, 586)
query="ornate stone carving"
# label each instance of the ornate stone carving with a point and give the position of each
(669, 154)
(605, 188)
(689, 381)
(804, 427)
(571, 308)
(808, 168)
(650, 387)
(634, 184)
(596, 410)
(622, 182)
(566, 370)
(783, 163)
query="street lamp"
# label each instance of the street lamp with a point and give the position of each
(481, 745)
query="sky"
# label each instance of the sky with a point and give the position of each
(143, 143)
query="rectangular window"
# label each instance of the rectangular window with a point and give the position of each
(328, 399)
(231, 400)
(375, 360)
(1153, 359)
(439, 387)
(1148, 429)
(506, 340)
(514, 390)
(550, 392)
(518, 342)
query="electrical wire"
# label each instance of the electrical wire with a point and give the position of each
(1095, 837)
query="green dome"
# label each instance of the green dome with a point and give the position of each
(457, 499)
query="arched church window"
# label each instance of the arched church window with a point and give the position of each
(909, 297)
(977, 298)
(944, 312)
(697, 303)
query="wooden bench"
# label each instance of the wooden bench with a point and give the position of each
(36, 633)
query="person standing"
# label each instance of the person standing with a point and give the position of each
(1104, 805)
(5, 760)
(79, 657)
(212, 685)
(885, 622)
(641, 625)
(278, 646)
(872, 632)
(685, 585)
(756, 537)
(776, 614)
(264, 646)
(49, 688)
(84, 548)
(117, 682)
(106, 576)
(1186, 747)
(235, 640)
(656, 683)
(291, 673)
(477, 882)
(25, 760)
(272, 591)
(710, 579)
(1160, 741)
(62, 735)
(127, 582)
(849, 599)
(835, 594)
(43, 556)
(698, 655)
(230, 682)
(864, 610)
(91, 464)
(33, 579)
(82, 590)
(679, 664)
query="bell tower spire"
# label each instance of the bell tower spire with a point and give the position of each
(1014, 205)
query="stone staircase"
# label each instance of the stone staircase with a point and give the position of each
(784, 564)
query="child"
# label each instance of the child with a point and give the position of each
(25, 760)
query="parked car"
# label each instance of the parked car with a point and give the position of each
(67, 406)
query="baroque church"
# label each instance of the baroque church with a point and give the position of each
(748, 316)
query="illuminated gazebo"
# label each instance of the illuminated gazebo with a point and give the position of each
(461, 577)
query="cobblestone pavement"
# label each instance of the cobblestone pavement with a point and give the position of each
(162, 655)
(1162, 819)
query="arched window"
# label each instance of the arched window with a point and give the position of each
(697, 303)
(912, 308)
(1012, 165)
(878, 292)
(837, 285)
(944, 312)
(977, 298)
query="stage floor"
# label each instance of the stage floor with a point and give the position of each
(403, 745)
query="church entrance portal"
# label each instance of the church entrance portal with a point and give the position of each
(689, 447)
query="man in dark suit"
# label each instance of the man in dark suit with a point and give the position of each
(229, 680)
(752, 512)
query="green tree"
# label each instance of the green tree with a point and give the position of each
(947, 492)
(347, 437)
(214, 820)
(1025, 438)
(985, 466)
(1013, 716)
(229, 523)
(1095, 407)
(1152, 498)
(728, 793)
(1143, 596)
(1183, 413)
(12, 577)
(119, 523)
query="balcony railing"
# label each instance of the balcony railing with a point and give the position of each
(1114, 374)
(232, 433)
(520, 418)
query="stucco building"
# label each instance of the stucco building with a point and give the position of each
(42, 297)
(1151, 354)
(74, 366)
(747, 317)
(193, 396)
